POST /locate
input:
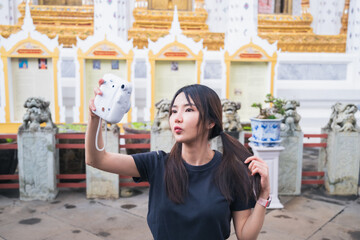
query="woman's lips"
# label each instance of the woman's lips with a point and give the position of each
(177, 130)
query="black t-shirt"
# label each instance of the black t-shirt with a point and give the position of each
(206, 214)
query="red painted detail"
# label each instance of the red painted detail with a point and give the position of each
(135, 145)
(11, 136)
(71, 176)
(135, 136)
(175, 54)
(9, 185)
(70, 146)
(133, 184)
(312, 174)
(9, 177)
(307, 182)
(309, 145)
(8, 146)
(71, 185)
(324, 135)
(70, 136)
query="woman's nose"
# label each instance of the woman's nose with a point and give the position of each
(178, 118)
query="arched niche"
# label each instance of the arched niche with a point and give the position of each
(250, 72)
(112, 59)
(173, 66)
(29, 70)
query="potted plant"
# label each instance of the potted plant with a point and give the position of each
(266, 126)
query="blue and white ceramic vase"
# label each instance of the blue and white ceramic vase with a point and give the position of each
(265, 132)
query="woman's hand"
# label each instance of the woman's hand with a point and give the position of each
(257, 165)
(97, 91)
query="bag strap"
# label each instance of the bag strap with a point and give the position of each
(97, 136)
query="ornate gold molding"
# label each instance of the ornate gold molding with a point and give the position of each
(295, 34)
(59, 15)
(307, 42)
(66, 22)
(151, 24)
(67, 35)
(284, 23)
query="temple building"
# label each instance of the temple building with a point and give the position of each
(305, 50)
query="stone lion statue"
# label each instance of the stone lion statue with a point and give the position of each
(291, 117)
(231, 119)
(161, 121)
(342, 118)
(37, 112)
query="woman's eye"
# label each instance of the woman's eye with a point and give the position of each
(173, 111)
(189, 110)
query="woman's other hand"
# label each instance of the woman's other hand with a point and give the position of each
(257, 165)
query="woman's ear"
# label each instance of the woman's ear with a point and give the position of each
(211, 125)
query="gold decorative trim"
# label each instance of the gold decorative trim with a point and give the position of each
(66, 22)
(284, 23)
(295, 34)
(151, 24)
(310, 42)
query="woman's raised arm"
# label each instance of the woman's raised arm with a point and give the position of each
(111, 162)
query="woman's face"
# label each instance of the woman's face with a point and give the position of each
(184, 119)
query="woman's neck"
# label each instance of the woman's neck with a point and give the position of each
(198, 153)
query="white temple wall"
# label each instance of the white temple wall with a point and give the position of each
(296, 8)
(326, 16)
(113, 17)
(213, 72)
(68, 76)
(217, 14)
(353, 33)
(141, 79)
(242, 19)
(9, 12)
(317, 80)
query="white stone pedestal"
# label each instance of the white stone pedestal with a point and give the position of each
(163, 141)
(101, 184)
(342, 163)
(38, 164)
(271, 156)
(290, 163)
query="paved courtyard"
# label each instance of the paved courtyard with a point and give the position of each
(313, 215)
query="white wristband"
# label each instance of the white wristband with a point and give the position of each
(264, 202)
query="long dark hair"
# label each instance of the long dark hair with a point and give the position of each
(232, 177)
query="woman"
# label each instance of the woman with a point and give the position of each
(194, 191)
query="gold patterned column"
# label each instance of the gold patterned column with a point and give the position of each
(199, 5)
(345, 17)
(4, 59)
(305, 6)
(141, 4)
